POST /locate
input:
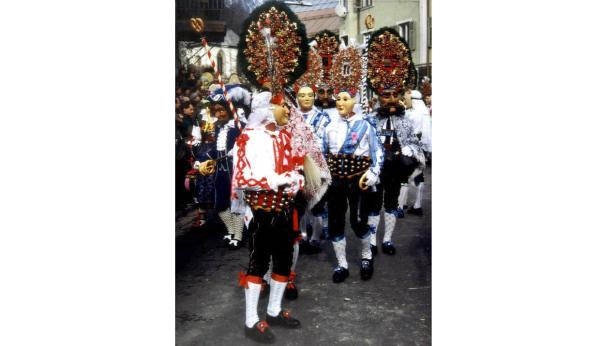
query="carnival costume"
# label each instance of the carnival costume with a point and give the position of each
(314, 219)
(327, 45)
(355, 157)
(389, 70)
(419, 114)
(219, 164)
(267, 176)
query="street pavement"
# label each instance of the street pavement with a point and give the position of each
(393, 308)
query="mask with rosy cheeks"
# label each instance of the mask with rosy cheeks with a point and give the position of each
(281, 114)
(305, 98)
(345, 103)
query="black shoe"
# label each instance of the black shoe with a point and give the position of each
(366, 269)
(260, 332)
(415, 211)
(374, 249)
(388, 248)
(340, 274)
(399, 212)
(283, 319)
(290, 292)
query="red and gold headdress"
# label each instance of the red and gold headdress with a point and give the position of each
(327, 46)
(346, 71)
(390, 65)
(314, 72)
(273, 47)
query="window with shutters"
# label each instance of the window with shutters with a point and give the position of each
(407, 32)
(366, 3)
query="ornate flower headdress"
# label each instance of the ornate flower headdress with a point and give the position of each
(314, 72)
(327, 46)
(346, 70)
(273, 47)
(390, 65)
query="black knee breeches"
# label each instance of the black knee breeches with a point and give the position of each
(343, 192)
(270, 235)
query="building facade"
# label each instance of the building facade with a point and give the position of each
(412, 19)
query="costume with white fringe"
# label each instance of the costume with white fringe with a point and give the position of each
(355, 157)
(313, 220)
(389, 71)
(272, 54)
(420, 116)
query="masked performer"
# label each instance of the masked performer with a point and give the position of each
(219, 164)
(354, 157)
(203, 149)
(389, 70)
(272, 53)
(327, 46)
(315, 219)
(422, 121)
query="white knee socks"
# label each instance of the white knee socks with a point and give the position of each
(404, 190)
(366, 253)
(417, 204)
(373, 223)
(340, 250)
(275, 297)
(252, 301)
(390, 224)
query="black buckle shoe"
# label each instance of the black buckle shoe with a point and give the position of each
(283, 319)
(415, 211)
(366, 269)
(340, 274)
(374, 249)
(260, 332)
(388, 248)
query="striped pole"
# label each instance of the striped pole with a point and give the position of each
(222, 84)
(198, 26)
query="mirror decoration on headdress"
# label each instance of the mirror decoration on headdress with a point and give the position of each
(390, 65)
(327, 46)
(346, 71)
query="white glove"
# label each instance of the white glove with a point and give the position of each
(196, 165)
(277, 180)
(406, 151)
(297, 182)
(371, 178)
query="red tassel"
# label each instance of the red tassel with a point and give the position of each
(243, 279)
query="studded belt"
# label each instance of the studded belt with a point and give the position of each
(347, 166)
(268, 200)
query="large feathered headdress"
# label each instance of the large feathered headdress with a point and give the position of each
(390, 65)
(327, 46)
(273, 47)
